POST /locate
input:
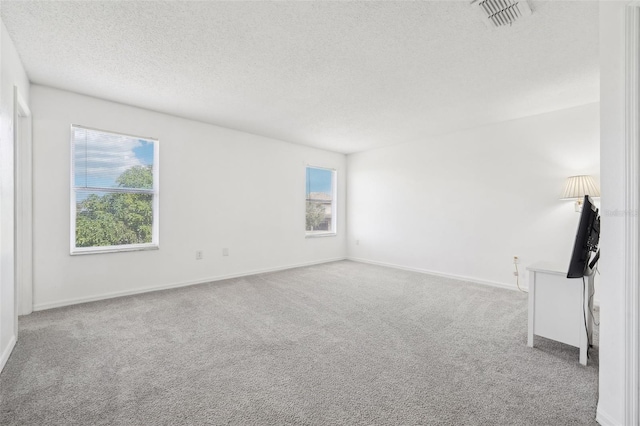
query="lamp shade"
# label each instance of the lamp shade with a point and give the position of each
(579, 186)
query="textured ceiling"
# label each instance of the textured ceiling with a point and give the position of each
(343, 76)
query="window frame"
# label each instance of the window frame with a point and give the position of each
(334, 202)
(155, 192)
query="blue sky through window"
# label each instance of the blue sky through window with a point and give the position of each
(319, 180)
(144, 152)
(100, 158)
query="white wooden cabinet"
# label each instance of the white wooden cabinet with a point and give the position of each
(558, 305)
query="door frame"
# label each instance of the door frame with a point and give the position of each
(632, 218)
(23, 206)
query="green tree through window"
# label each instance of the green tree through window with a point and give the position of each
(315, 215)
(117, 218)
(115, 188)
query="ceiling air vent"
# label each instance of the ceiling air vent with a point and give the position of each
(497, 13)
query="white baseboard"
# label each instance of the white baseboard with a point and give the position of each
(604, 419)
(596, 302)
(103, 296)
(7, 352)
(440, 274)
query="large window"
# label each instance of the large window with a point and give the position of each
(321, 202)
(114, 196)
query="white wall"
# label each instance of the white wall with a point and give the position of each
(612, 102)
(12, 73)
(465, 203)
(218, 188)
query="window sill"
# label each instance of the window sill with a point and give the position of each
(321, 235)
(112, 249)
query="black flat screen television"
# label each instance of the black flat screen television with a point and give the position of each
(587, 239)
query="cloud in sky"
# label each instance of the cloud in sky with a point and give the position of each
(99, 158)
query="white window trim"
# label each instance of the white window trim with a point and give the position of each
(334, 203)
(155, 231)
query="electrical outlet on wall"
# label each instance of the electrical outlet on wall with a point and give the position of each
(225, 251)
(199, 255)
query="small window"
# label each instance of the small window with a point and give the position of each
(114, 192)
(321, 202)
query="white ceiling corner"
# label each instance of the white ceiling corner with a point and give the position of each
(342, 76)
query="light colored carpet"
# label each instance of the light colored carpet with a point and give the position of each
(342, 343)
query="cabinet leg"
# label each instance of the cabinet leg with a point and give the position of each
(583, 354)
(532, 293)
